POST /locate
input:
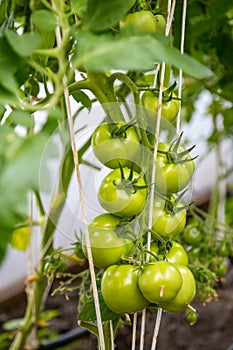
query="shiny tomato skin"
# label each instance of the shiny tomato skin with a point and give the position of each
(120, 290)
(160, 281)
(160, 23)
(169, 109)
(186, 293)
(142, 20)
(192, 235)
(167, 224)
(173, 252)
(111, 150)
(107, 247)
(119, 201)
(172, 177)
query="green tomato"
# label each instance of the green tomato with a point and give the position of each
(169, 109)
(119, 287)
(191, 316)
(107, 246)
(172, 176)
(172, 252)
(160, 281)
(167, 223)
(142, 20)
(192, 235)
(114, 147)
(186, 293)
(219, 266)
(224, 248)
(121, 196)
(160, 23)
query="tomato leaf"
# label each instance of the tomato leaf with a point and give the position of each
(79, 7)
(24, 44)
(101, 15)
(21, 170)
(80, 96)
(88, 313)
(21, 118)
(44, 20)
(101, 53)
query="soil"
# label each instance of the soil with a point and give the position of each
(213, 330)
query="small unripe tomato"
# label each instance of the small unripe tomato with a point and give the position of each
(160, 23)
(142, 20)
(169, 111)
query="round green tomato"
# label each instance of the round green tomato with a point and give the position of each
(186, 293)
(192, 235)
(191, 316)
(172, 252)
(167, 224)
(169, 109)
(107, 247)
(172, 177)
(224, 248)
(119, 287)
(219, 266)
(112, 148)
(119, 196)
(160, 281)
(142, 20)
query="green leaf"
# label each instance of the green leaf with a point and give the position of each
(79, 7)
(102, 14)
(105, 52)
(24, 44)
(21, 118)
(44, 20)
(80, 96)
(88, 313)
(20, 171)
(7, 80)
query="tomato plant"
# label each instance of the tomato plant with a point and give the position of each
(116, 144)
(107, 246)
(123, 192)
(159, 281)
(65, 63)
(120, 290)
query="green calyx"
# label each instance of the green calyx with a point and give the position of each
(129, 185)
(174, 156)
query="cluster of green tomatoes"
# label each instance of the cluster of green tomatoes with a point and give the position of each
(138, 274)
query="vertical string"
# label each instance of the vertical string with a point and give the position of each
(134, 332)
(156, 330)
(82, 203)
(184, 12)
(112, 335)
